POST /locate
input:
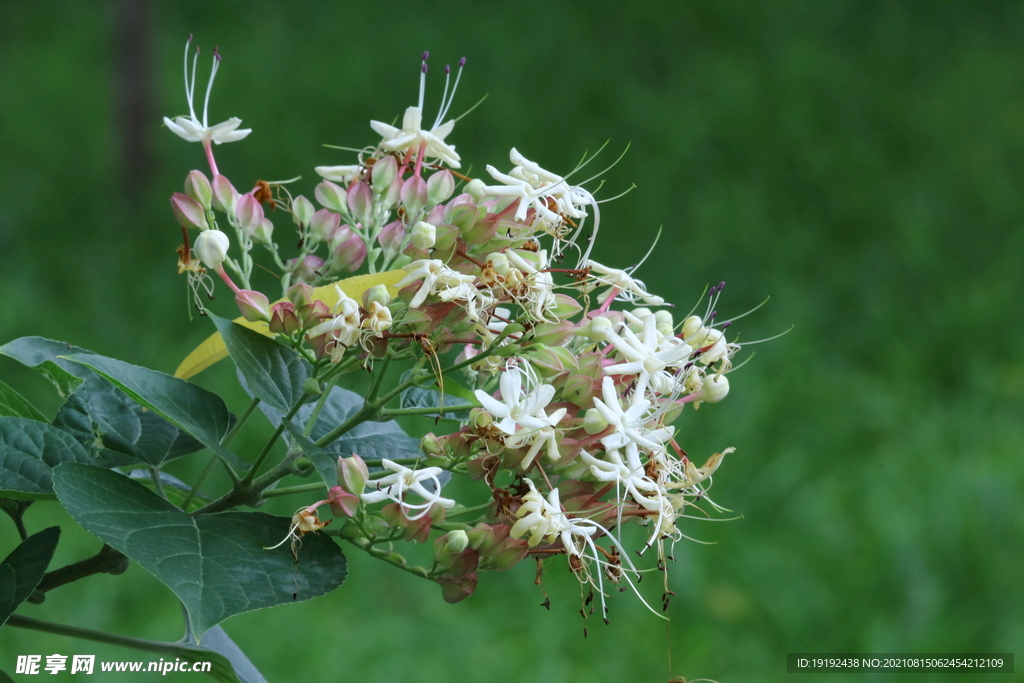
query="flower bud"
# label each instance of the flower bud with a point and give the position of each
(302, 211)
(283, 319)
(198, 188)
(594, 422)
(343, 503)
(211, 247)
(378, 319)
(715, 388)
(264, 232)
(301, 295)
(597, 329)
(664, 317)
(248, 214)
(393, 193)
(313, 314)
(499, 263)
(423, 235)
(254, 306)
(331, 196)
(225, 196)
(353, 474)
(189, 212)
(692, 328)
(349, 255)
(323, 224)
(440, 186)
(475, 188)
(391, 238)
(360, 202)
(456, 541)
(384, 173)
(378, 294)
(311, 386)
(414, 195)
(307, 269)
(431, 446)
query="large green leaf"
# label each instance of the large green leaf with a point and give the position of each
(273, 373)
(28, 452)
(13, 404)
(119, 430)
(23, 569)
(217, 641)
(194, 410)
(216, 564)
(45, 355)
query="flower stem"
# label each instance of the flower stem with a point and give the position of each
(288, 490)
(247, 479)
(431, 411)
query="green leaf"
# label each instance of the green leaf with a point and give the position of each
(105, 420)
(194, 410)
(28, 452)
(44, 355)
(13, 404)
(217, 641)
(175, 489)
(4, 678)
(274, 374)
(216, 564)
(431, 397)
(23, 569)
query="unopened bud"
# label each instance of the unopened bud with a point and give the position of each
(440, 186)
(188, 211)
(198, 188)
(311, 386)
(475, 188)
(307, 269)
(254, 306)
(431, 446)
(423, 235)
(225, 196)
(301, 295)
(360, 202)
(283, 319)
(349, 255)
(376, 294)
(264, 232)
(384, 173)
(391, 238)
(248, 214)
(692, 327)
(343, 503)
(302, 211)
(331, 196)
(598, 329)
(716, 387)
(340, 174)
(499, 263)
(323, 224)
(353, 474)
(414, 195)
(456, 541)
(211, 247)
(594, 422)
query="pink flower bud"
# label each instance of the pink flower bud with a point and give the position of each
(323, 224)
(307, 269)
(349, 255)
(343, 503)
(456, 589)
(384, 173)
(393, 194)
(314, 314)
(283, 319)
(189, 212)
(360, 202)
(414, 195)
(391, 238)
(254, 306)
(353, 473)
(198, 188)
(225, 196)
(264, 232)
(440, 186)
(248, 214)
(331, 196)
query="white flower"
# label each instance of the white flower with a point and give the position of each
(189, 127)
(378, 319)
(340, 174)
(622, 283)
(436, 276)
(515, 407)
(647, 356)
(628, 428)
(411, 135)
(634, 480)
(211, 247)
(343, 329)
(394, 486)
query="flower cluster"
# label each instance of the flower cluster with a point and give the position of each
(572, 373)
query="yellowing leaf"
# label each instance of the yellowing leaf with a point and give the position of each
(213, 349)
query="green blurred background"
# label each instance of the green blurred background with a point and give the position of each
(857, 161)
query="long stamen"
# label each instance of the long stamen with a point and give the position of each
(209, 86)
(423, 80)
(187, 93)
(192, 86)
(444, 95)
(440, 117)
